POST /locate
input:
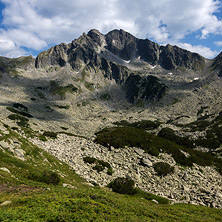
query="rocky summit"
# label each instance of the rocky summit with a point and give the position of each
(117, 106)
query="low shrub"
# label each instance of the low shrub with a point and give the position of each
(143, 124)
(50, 134)
(11, 109)
(123, 185)
(126, 136)
(119, 137)
(21, 121)
(98, 168)
(163, 168)
(169, 134)
(100, 164)
(89, 159)
(46, 176)
(20, 106)
(105, 97)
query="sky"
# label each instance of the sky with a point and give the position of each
(28, 27)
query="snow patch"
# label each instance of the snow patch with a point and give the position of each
(126, 61)
(197, 78)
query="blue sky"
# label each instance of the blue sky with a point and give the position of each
(31, 26)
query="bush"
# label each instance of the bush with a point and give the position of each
(46, 176)
(169, 134)
(126, 136)
(122, 185)
(22, 121)
(105, 97)
(163, 168)
(98, 168)
(50, 134)
(100, 164)
(89, 159)
(143, 124)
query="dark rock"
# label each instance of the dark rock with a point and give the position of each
(172, 57)
(122, 44)
(148, 88)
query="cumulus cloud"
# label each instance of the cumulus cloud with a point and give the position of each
(202, 50)
(36, 24)
(218, 43)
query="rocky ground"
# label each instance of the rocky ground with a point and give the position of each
(196, 185)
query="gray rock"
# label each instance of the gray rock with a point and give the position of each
(19, 153)
(155, 201)
(4, 145)
(146, 162)
(5, 169)
(5, 203)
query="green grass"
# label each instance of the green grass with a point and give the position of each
(96, 204)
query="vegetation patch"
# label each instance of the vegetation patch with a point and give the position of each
(123, 185)
(55, 89)
(169, 134)
(163, 168)
(100, 165)
(63, 106)
(120, 137)
(143, 124)
(48, 177)
(20, 106)
(50, 134)
(176, 100)
(21, 121)
(105, 97)
(19, 112)
(89, 86)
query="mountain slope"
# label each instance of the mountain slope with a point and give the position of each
(61, 100)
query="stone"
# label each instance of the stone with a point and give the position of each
(4, 145)
(5, 203)
(19, 153)
(5, 169)
(155, 201)
(145, 162)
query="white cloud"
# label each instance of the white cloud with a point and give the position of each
(218, 43)
(202, 50)
(37, 23)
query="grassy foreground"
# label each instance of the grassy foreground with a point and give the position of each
(96, 204)
(35, 199)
